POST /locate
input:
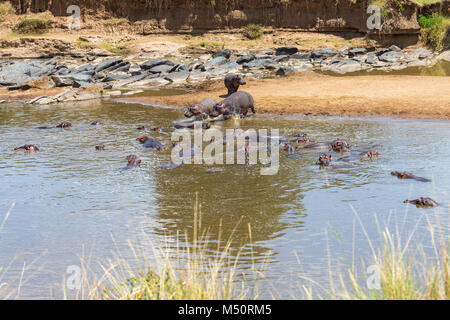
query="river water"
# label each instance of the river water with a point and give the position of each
(73, 203)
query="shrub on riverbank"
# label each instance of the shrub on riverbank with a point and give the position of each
(31, 26)
(253, 31)
(435, 31)
(5, 10)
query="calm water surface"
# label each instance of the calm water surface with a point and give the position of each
(73, 203)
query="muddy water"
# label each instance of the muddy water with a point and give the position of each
(74, 203)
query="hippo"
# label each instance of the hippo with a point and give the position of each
(232, 82)
(27, 147)
(191, 125)
(61, 126)
(423, 203)
(204, 107)
(97, 123)
(151, 143)
(133, 162)
(299, 137)
(324, 160)
(141, 128)
(237, 103)
(409, 175)
(100, 148)
(340, 145)
(367, 155)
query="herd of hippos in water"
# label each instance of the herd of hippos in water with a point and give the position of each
(239, 103)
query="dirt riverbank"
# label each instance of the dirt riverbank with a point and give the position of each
(315, 94)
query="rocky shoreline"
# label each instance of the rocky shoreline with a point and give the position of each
(96, 77)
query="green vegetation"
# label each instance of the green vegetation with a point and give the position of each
(435, 31)
(31, 26)
(193, 274)
(426, 1)
(252, 31)
(84, 43)
(406, 273)
(115, 48)
(5, 10)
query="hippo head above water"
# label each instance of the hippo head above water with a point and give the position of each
(222, 108)
(340, 145)
(150, 142)
(193, 110)
(324, 160)
(64, 125)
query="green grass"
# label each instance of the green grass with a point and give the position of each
(115, 48)
(406, 272)
(435, 31)
(31, 26)
(191, 274)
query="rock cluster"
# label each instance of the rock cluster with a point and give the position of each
(92, 79)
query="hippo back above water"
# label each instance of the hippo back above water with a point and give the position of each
(206, 106)
(237, 103)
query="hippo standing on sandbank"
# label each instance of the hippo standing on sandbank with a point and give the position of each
(236, 104)
(204, 107)
(233, 82)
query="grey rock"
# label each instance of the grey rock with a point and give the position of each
(62, 81)
(280, 58)
(372, 59)
(83, 68)
(444, 56)
(114, 77)
(419, 53)
(356, 51)
(394, 48)
(286, 51)
(107, 64)
(165, 68)
(154, 63)
(223, 53)
(345, 66)
(323, 53)
(180, 76)
(283, 71)
(267, 52)
(215, 62)
(132, 79)
(83, 76)
(391, 56)
(245, 59)
(122, 66)
(301, 56)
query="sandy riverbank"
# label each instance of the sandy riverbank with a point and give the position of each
(317, 94)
